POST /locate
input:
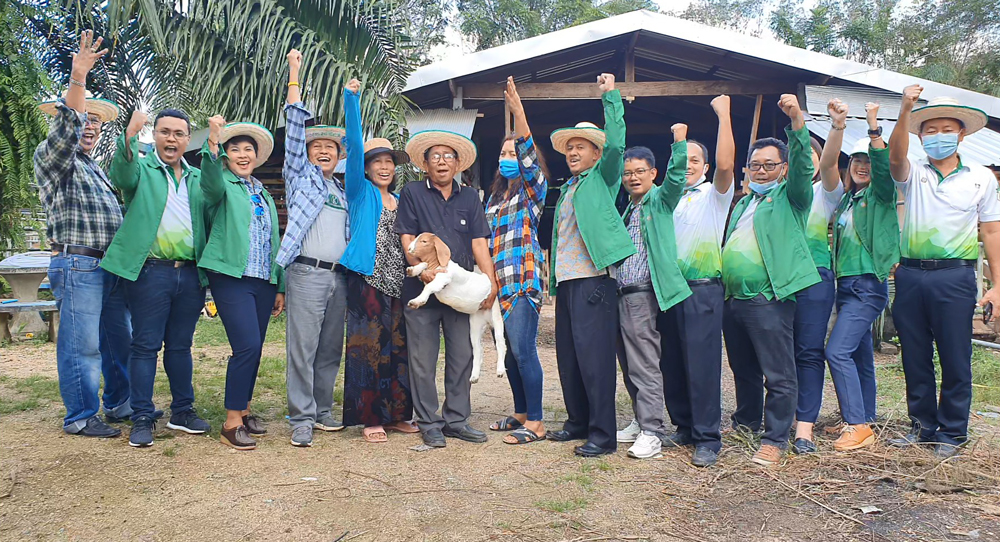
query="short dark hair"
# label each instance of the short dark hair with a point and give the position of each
(427, 153)
(236, 140)
(175, 113)
(640, 153)
(704, 149)
(766, 142)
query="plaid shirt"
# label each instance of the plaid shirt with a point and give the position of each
(259, 256)
(305, 187)
(80, 205)
(635, 268)
(514, 222)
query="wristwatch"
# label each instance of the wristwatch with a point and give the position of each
(877, 132)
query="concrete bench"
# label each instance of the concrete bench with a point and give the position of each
(8, 310)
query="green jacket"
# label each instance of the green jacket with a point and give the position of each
(657, 226)
(875, 219)
(601, 226)
(143, 183)
(780, 221)
(229, 210)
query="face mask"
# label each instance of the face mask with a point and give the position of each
(509, 168)
(940, 146)
(762, 188)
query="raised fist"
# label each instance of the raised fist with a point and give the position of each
(838, 112)
(910, 95)
(606, 82)
(135, 124)
(215, 126)
(680, 131)
(789, 104)
(721, 104)
(294, 59)
(353, 85)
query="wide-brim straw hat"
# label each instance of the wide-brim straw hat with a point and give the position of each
(585, 130)
(323, 131)
(381, 145)
(948, 108)
(105, 109)
(263, 137)
(421, 141)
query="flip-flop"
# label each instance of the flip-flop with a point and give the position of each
(373, 435)
(524, 435)
(403, 427)
(509, 423)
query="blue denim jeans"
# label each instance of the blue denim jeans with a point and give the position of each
(860, 300)
(812, 318)
(524, 370)
(166, 303)
(93, 339)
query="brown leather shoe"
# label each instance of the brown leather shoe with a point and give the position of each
(853, 437)
(238, 438)
(767, 455)
(254, 426)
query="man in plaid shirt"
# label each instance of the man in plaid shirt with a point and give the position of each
(82, 216)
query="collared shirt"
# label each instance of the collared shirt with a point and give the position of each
(572, 258)
(456, 221)
(517, 255)
(175, 234)
(306, 189)
(744, 274)
(259, 256)
(943, 213)
(824, 205)
(852, 258)
(80, 205)
(635, 268)
(699, 225)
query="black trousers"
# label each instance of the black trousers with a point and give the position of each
(691, 362)
(937, 307)
(586, 324)
(760, 344)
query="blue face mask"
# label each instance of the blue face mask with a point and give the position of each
(509, 168)
(940, 146)
(762, 188)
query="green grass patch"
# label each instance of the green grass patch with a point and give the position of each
(24, 394)
(985, 377)
(170, 451)
(562, 506)
(583, 480)
(211, 332)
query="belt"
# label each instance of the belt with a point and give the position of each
(77, 249)
(636, 288)
(169, 263)
(930, 265)
(703, 282)
(313, 262)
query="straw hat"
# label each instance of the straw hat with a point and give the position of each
(948, 108)
(323, 131)
(106, 110)
(263, 137)
(585, 130)
(421, 141)
(381, 145)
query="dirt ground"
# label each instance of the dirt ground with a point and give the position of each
(59, 487)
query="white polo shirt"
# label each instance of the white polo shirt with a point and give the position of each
(699, 224)
(943, 213)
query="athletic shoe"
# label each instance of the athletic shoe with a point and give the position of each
(141, 435)
(189, 422)
(302, 436)
(630, 433)
(647, 445)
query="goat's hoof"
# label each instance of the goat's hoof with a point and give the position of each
(414, 304)
(473, 379)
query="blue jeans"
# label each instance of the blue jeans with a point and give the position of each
(166, 303)
(93, 339)
(812, 317)
(524, 371)
(860, 300)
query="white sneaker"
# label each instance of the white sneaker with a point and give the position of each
(630, 433)
(646, 445)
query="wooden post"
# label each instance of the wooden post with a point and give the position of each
(506, 120)
(630, 64)
(753, 130)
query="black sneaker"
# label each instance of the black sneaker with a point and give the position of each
(676, 440)
(189, 422)
(157, 414)
(96, 428)
(704, 456)
(803, 446)
(142, 432)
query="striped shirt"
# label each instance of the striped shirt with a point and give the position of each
(80, 204)
(259, 256)
(517, 256)
(635, 268)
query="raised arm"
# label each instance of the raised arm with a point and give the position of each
(354, 172)
(725, 146)
(294, 94)
(899, 141)
(124, 171)
(882, 186)
(610, 163)
(871, 115)
(800, 167)
(674, 180)
(83, 61)
(535, 183)
(213, 186)
(829, 170)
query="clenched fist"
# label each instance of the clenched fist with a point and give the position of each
(135, 124)
(606, 82)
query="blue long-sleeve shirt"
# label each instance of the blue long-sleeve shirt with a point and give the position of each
(364, 202)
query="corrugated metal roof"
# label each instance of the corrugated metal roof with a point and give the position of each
(706, 37)
(817, 98)
(982, 147)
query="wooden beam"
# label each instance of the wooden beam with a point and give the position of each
(587, 91)
(630, 64)
(756, 119)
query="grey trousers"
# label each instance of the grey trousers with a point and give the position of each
(316, 301)
(423, 341)
(639, 357)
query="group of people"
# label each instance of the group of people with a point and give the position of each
(659, 286)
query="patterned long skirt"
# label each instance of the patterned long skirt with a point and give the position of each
(376, 375)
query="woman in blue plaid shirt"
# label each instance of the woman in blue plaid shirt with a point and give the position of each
(513, 212)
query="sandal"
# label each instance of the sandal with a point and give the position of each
(509, 423)
(523, 436)
(375, 435)
(403, 427)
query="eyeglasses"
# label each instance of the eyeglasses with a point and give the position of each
(93, 121)
(258, 204)
(439, 157)
(167, 133)
(768, 166)
(636, 173)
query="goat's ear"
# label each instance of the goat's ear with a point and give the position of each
(443, 252)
